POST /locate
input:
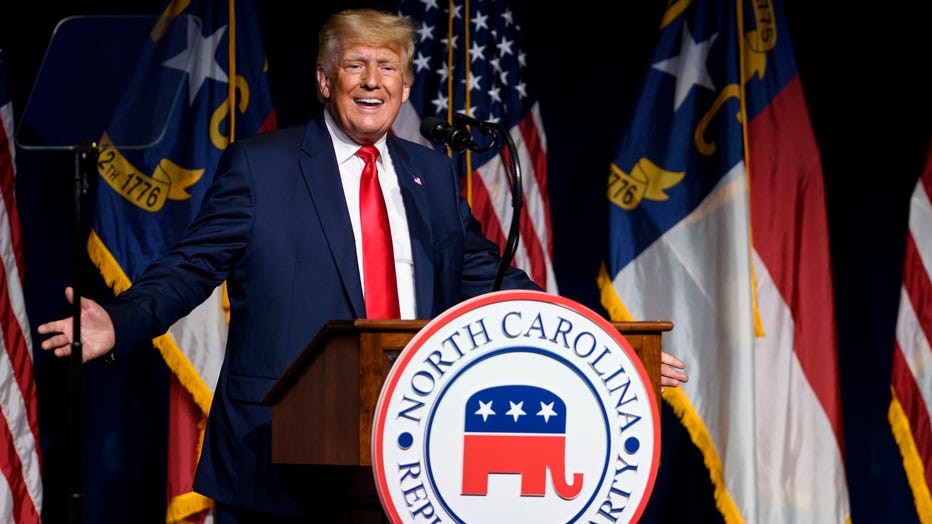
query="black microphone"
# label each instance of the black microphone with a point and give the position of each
(439, 131)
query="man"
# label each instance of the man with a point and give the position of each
(284, 225)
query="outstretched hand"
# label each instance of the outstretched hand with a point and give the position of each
(97, 335)
(671, 371)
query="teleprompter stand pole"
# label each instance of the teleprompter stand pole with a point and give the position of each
(85, 161)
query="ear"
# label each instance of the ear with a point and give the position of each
(323, 83)
(406, 92)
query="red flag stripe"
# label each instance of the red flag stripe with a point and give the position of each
(185, 422)
(804, 282)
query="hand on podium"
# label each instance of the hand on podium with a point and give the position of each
(671, 371)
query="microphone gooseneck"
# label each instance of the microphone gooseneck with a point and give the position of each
(457, 137)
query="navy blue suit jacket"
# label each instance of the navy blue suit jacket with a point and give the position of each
(275, 226)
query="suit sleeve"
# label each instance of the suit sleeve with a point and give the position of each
(186, 275)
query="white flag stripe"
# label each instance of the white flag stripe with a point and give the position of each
(539, 125)
(920, 225)
(15, 412)
(6, 497)
(202, 337)
(705, 260)
(796, 444)
(915, 347)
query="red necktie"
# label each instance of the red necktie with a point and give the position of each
(378, 259)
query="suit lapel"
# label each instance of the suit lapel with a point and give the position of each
(417, 206)
(322, 176)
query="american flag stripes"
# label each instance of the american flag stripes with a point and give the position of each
(468, 59)
(911, 376)
(20, 456)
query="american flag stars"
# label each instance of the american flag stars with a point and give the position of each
(495, 63)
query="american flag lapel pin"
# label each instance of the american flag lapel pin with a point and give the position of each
(417, 180)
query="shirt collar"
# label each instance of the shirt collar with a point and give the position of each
(343, 145)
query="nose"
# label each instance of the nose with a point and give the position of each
(370, 77)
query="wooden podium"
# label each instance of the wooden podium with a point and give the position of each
(323, 405)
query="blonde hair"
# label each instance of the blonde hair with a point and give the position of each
(366, 26)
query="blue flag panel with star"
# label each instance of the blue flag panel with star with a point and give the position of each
(177, 105)
(199, 84)
(672, 131)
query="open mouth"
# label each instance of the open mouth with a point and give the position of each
(369, 102)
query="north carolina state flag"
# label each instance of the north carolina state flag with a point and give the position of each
(718, 222)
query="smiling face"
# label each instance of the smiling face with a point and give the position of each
(365, 91)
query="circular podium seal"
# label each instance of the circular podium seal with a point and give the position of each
(516, 406)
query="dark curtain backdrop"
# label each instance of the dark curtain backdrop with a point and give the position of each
(862, 68)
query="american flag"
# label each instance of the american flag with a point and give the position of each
(485, 36)
(911, 377)
(20, 457)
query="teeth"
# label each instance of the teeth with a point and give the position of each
(369, 100)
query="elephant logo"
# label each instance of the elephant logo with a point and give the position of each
(516, 429)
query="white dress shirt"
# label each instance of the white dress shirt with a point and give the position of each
(350, 174)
